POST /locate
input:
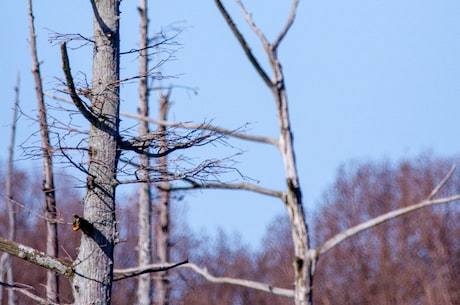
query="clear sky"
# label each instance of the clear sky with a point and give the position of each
(366, 80)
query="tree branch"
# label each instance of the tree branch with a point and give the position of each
(244, 44)
(135, 271)
(230, 186)
(442, 183)
(240, 282)
(287, 26)
(24, 290)
(81, 106)
(36, 257)
(224, 131)
(220, 130)
(342, 236)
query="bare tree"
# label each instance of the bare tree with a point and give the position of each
(305, 257)
(91, 273)
(162, 211)
(144, 247)
(49, 206)
(91, 284)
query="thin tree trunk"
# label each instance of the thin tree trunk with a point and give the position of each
(52, 283)
(144, 246)
(162, 223)
(5, 260)
(303, 263)
(92, 282)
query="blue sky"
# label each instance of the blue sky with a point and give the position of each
(366, 80)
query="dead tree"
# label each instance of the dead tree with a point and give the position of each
(162, 211)
(91, 284)
(49, 206)
(305, 257)
(144, 246)
(91, 273)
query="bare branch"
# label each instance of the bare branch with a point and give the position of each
(25, 291)
(230, 186)
(224, 131)
(241, 282)
(442, 183)
(342, 236)
(135, 271)
(220, 130)
(253, 26)
(140, 144)
(36, 257)
(287, 26)
(244, 44)
(82, 107)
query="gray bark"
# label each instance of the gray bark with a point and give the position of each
(49, 206)
(162, 223)
(144, 245)
(92, 282)
(304, 262)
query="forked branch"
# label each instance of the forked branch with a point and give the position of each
(244, 44)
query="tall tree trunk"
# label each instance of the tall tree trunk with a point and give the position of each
(49, 206)
(303, 263)
(162, 223)
(144, 246)
(92, 283)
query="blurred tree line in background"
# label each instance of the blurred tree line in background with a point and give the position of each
(409, 260)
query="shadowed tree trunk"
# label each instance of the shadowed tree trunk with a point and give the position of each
(92, 282)
(162, 223)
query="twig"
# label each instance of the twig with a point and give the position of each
(241, 282)
(224, 131)
(287, 26)
(131, 272)
(24, 290)
(442, 183)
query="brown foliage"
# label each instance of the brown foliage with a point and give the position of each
(413, 259)
(31, 229)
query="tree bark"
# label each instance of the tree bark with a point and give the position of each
(92, 283)
(162, 223)
(144, 246)
(49, 206)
